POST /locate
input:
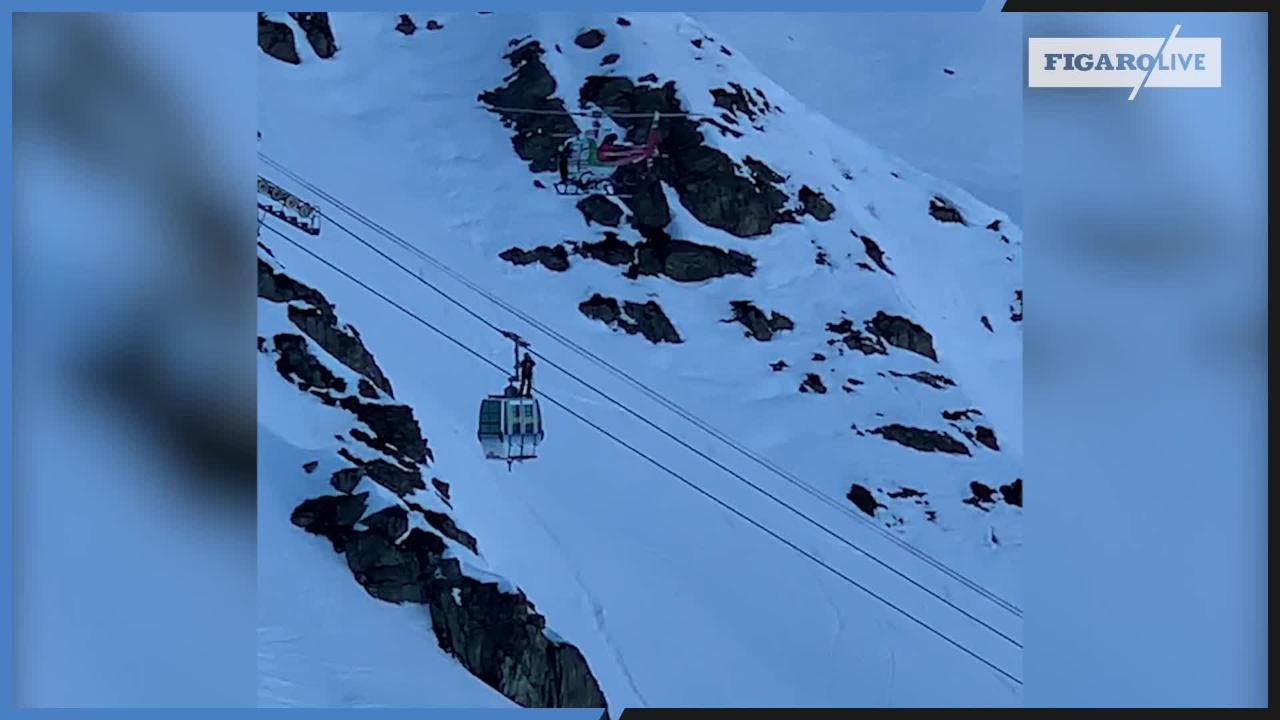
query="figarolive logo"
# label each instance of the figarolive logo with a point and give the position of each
(1168, 62)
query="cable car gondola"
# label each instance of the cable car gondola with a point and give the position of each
(511, 423)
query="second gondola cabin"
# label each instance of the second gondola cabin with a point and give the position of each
(510, 427)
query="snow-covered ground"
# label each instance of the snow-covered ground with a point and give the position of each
(893, 89)
(673, 600)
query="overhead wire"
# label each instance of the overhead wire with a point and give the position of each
(674, 407)
(648, 458)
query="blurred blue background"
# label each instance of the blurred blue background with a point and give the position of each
(1146, 381)
(133, 413)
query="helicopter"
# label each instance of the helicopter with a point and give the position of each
(586, 164)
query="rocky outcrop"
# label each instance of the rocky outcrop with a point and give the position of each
(854, 339)
(435, 25)
(552, 258)
(759, 326)
(342, 342)
(943, 211)
(315, 316)
(319, 34)
(299, 366)
(815, 204)
(735, 99)
(903, 333)
(1015, 310)
(276, 40)
(537, 136)
(813, 383)
(874, 252)
(705, 179)
(331, 516)
(645, 319)
(600, 210)
(685, 261)
(610, 59)
(864, 500)
(493, 630)
(612, 250)
(589, 39)
(1012, 493)
(921, 439)
(986, 436)
(406, 25)
(933, 380)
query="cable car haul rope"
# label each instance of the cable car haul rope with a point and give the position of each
(510, 428)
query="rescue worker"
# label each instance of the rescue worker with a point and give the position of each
(526, 375)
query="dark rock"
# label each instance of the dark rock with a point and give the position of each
(943, 211)
(761, 172)
(648, 78)
(391, 522)
(366, 389)
(441, 487)
(959, 414)
(982, 493)
(705, 179)
(448, 528)
(986, 436)
(1012, 493)
(310, 467)
(864, 266)
(623, 22)
(262, 344)
(948, 71)
(813, 383)
(903, 333)
(552, 258)
(611, 250)
(330, 516)
(986, 323)
(905, 492)
(500, 638)
(819, 357)
(855, 339)
(652, 322)
(346, 479)
(864, 500)
(921, 439)
(736, 100)
(686, 261)
(927, 378)
(646, 319)
(874, 252)
(320, 323)
(276, 40)
(759, 326)
(778, 366)
(816, 204)
(537, 136)
(406, 25)
(296, 364)
(396, 431)
(601, 210)
(386, 570)
(1015, 310)
(725, 50)
(610, 59)
(341, 342)
(319, 34)
(994, 226)
(396, 479)
(434, 25)
(589, 39)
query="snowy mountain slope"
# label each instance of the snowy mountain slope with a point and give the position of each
(672, 600)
